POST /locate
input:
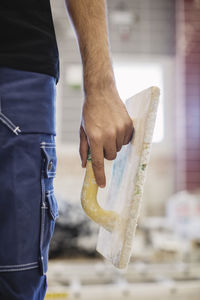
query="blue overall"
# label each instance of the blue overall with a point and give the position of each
(28, 207)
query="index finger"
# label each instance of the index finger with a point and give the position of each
(97, 157)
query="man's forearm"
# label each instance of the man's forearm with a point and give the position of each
(89, 18)
(105, 123)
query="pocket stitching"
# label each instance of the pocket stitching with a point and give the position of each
(50, 213)
(52, 209)
(14, 128)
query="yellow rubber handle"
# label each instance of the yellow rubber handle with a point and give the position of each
(105, 218)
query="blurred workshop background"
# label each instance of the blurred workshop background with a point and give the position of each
(153, 42)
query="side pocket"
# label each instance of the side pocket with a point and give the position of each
(49, 207)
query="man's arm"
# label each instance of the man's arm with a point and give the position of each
(105, 124)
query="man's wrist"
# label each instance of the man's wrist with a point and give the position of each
(99, 83)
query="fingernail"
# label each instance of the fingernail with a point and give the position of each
(102, 186)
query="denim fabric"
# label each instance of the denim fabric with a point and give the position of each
(28, 207)
(28, 100)
(24, 285)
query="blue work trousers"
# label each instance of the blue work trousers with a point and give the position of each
(28, 207)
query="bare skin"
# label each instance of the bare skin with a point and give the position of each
(105, 123)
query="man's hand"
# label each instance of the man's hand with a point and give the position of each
(105, 127)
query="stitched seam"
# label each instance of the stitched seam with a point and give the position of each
(55, 215)
(45, 143)
(48, 143)
(8, 120)
(48, 191)
(18, 269)
(5, 122)
(50, 147)
(42, 225)
(50, 175)
(23, 265)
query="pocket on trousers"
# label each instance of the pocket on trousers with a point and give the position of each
(49, 207)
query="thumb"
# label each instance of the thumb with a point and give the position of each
(83, 148)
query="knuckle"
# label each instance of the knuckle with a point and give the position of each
(95, 138)
(111, 134)
(120, 128)
(97, 164)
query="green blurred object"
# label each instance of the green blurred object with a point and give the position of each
(75, 86)
(89, 155)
